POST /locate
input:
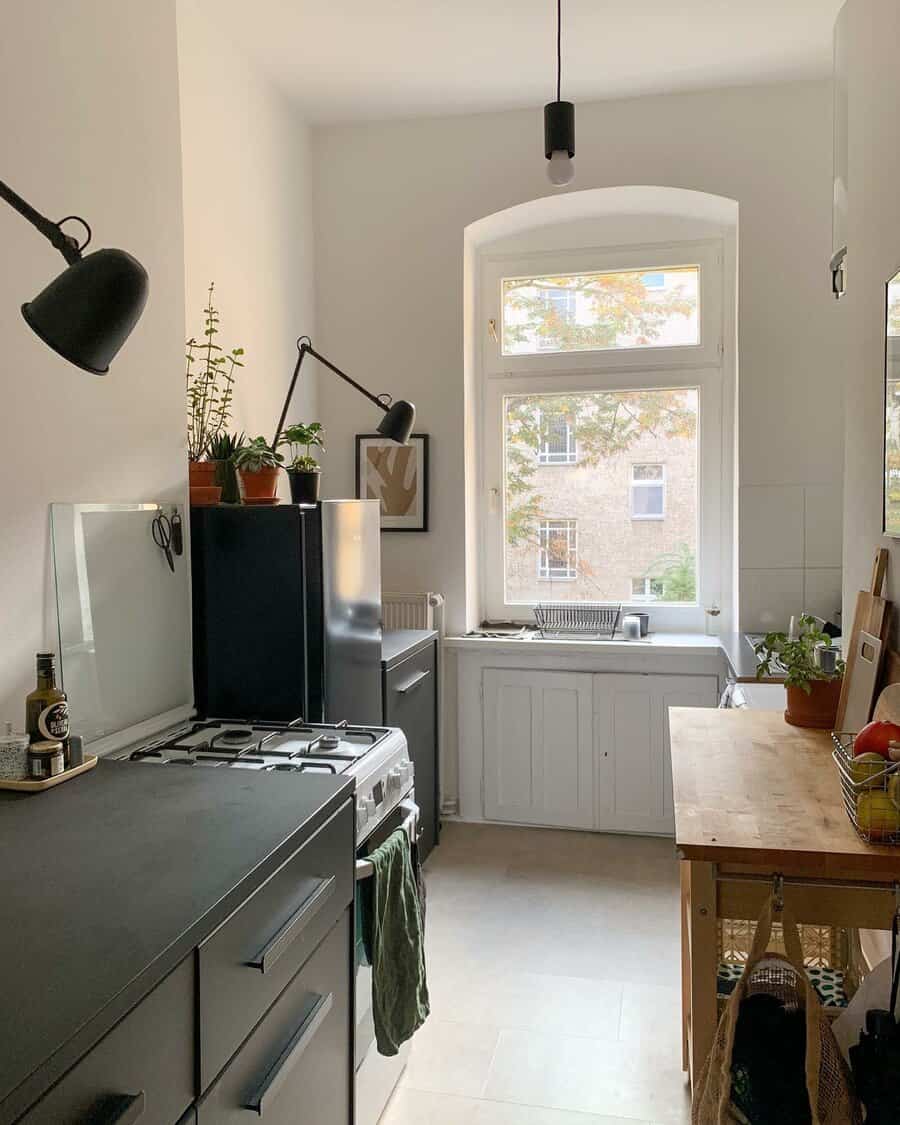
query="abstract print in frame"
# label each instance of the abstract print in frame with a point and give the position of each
(397, 475)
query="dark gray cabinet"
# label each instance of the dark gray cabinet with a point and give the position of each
(410, 703)
(296, 1068)
(142, 1071)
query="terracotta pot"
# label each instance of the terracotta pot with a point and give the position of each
(202, 480)
(304, 487)
(817, 710)
(260, 486)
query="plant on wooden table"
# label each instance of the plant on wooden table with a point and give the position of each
(813, 692)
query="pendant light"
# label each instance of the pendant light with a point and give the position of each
(559, 123)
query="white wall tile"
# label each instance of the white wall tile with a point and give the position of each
(823, 526)
(771, 526)
(822, 595)
(769, 598)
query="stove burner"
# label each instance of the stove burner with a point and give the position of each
(329, 742)
(235, 736)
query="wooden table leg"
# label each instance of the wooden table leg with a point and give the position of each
(703, 952)
(685, 968)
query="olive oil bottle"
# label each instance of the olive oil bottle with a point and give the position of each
(46, 709)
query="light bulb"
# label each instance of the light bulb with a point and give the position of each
(560, 168)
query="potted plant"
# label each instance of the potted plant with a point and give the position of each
(303, 471)
(221, 453)
(813, 685)
(210, 388)
(258, 466)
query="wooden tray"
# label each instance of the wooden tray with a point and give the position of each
(48, 782)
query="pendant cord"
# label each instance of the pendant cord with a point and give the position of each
(558, 50)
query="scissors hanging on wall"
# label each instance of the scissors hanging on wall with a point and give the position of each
(167, 535)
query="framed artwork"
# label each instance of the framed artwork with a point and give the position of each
(397, 475)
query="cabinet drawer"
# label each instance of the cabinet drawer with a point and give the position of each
(249, 960)
(140, 1073)
(296, 1068)
(410, 704)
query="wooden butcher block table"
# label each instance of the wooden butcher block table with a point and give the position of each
(756, 798)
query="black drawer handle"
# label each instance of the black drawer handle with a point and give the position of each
(124, 1109)
(291, 1055)
(295, 925)
(412, 682)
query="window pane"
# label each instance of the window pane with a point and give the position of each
(601, 311)
(592, 530)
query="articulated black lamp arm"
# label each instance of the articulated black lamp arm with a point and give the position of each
(305, 347)
(64, 243)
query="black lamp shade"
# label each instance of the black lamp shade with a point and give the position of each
(398, 421)
(87, 313)
(559, 128)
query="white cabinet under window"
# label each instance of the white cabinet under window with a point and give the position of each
(538, 755)
(573, 749)
(631, 746)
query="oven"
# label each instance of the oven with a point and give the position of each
(376, 1075)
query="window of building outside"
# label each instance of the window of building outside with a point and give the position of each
(558, 549)
(604, 469)
(648, 492)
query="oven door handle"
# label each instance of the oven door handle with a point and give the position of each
(365, 869)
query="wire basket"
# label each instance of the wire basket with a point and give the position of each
(871, 794)
(577, 619)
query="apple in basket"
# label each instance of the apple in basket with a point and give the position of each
(878, 737)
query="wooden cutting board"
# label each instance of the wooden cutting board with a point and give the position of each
(873, 617)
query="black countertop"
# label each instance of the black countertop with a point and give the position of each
(111, 879)
(399, 643)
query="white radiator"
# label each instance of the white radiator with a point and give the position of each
(413, 611)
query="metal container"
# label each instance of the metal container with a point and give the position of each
(631, 627)
(13, 754)
(870, 793)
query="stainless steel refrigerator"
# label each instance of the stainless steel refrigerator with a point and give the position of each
(287, 611)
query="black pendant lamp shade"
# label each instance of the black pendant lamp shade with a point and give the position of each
(559, 128)
(398, 422)
(87, 313)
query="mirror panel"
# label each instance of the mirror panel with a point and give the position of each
(124, 617)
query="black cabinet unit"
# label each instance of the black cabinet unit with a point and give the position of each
(410, 663)
(287, 611)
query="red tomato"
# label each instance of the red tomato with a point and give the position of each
(876, 737)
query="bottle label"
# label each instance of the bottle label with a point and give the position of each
(53, 721)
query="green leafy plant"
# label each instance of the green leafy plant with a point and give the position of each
(255, 455)
(224, 446)
(210, 385)
(303, 436)
(796, 657)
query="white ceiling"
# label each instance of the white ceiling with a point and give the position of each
(345, 60)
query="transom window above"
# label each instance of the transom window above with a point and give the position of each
(556, 440)
(558, 549)
(609, 311)
(648, 492)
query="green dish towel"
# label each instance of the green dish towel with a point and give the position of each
(393, 934)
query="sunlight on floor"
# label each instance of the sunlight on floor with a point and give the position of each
(553, 965)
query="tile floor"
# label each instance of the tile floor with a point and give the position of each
(553, 965)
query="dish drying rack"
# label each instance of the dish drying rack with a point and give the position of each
(577, 619)
(852, 789)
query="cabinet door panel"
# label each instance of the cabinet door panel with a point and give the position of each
(690, 691)
(538, 761)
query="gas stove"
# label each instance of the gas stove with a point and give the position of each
(376, 757)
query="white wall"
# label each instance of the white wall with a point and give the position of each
(88, 124)
(247, 216)
(872, 30)
(392, 201)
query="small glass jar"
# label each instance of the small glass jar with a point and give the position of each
(45, 760)
(13, 754)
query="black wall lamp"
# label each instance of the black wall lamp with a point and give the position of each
(87, 313)
(399, 417)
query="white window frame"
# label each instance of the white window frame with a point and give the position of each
(638, 484)
(544, 570)
(648, 258)
(683, 367)
(546, 456)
